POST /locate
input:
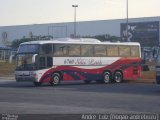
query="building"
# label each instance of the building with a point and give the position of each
(6, 53)
(57, 30)
(144, 30)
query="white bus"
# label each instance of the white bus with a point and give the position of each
(84, 59)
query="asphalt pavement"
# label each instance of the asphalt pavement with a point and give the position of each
(77, 97)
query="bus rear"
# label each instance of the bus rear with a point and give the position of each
(158, 68)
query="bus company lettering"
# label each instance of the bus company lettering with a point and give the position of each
(82, 61)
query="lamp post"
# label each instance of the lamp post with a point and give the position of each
(75, 6)
(127, 18)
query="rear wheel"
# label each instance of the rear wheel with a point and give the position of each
(55, 79)
(107, 77)
(118, 77)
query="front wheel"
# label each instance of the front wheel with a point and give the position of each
(118, 77)
(55, 79)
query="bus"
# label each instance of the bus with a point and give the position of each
(84, 59)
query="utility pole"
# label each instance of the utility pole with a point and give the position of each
(127, 18)
(75, 6)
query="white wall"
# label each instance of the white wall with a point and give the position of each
(66, 29)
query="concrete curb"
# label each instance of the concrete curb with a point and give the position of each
(151, 81)
(7, 78)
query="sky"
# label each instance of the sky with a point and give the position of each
(24, 12)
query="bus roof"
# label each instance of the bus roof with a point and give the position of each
(79, 41)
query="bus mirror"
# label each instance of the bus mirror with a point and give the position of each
(34, 58)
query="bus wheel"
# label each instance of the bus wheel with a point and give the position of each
(55, 79)
(118, 77)
(107, 77)
(37, 83)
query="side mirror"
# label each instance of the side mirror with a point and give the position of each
(34, 58)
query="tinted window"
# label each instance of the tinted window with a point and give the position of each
(28, 49)
(100, 51)
(135, 51)
(74, 50)
(112, 51)
(60, 50)
(124, 51)
(47, 48)
(87, 51)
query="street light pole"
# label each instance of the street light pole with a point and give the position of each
(75, 6)
(127, 17)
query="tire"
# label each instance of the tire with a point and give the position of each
(107, 77)
(37, 84)
(118, 77)
(55, 79)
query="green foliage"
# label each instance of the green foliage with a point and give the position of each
(17, 42)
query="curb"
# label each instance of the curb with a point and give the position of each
(7, 78)
(149, 81)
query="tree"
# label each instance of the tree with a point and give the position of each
(15, 43)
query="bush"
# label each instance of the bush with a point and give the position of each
(145, 68)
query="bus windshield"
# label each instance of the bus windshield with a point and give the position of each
(28, 48)
(24, 62)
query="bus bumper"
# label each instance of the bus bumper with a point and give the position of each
(25, 79)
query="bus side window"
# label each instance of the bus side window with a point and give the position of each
(135, 51)
(124, 51)
(74, 51)
(112, 51)
(87, 51)
(60, 50)
(100, 51)
(49, 62)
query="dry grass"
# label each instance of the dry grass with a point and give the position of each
(6, 69)
(148, 75)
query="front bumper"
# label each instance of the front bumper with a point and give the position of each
(25, 79)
